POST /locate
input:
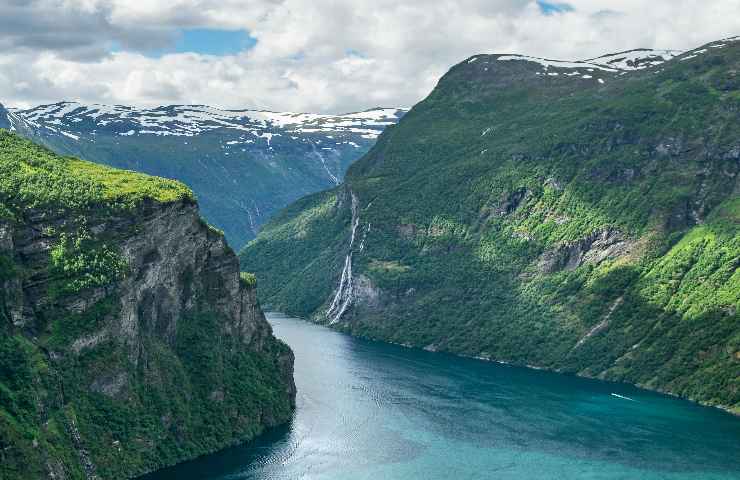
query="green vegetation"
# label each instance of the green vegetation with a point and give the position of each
(79, 380)
(582, 227)
(77, 264)
(33, 177)
(247, 279)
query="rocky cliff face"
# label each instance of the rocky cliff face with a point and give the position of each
(129, 339)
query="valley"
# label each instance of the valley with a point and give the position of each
(534, 272)
(580, 217)
(243, 165)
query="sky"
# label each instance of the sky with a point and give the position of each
(324, 56)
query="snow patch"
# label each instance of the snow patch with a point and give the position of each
(190, 120)
(67, 134)
(614, 62)
(553, 63)
(635, 59)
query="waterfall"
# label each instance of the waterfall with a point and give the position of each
(364, 236)
(333, 177)
(345, 292)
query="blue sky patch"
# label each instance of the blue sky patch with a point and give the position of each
(551, 8)
(206, 41)
(214, 42)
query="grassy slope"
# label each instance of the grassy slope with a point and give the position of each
(652, 155)
(32, 176)
(166, 414)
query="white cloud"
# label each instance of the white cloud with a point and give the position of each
(314, 55)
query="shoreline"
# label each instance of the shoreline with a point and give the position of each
(725, 408)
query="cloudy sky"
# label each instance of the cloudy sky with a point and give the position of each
(311, 55)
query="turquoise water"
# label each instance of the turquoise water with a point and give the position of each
(369, 410)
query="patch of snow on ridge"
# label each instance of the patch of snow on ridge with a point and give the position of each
(555, 63)
(189, 120)
(374, 114)
(66, 134)
(57, 110)
(701, 51)
(268, 136)
(614, 62)
(635, 59)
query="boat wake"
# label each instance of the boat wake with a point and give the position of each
(622, 397)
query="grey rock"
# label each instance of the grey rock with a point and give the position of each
(603, 244)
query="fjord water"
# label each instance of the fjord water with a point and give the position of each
(369, 410)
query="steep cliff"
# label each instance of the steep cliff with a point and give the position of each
(129, 340)
(577, 216)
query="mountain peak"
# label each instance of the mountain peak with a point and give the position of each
(597, 69)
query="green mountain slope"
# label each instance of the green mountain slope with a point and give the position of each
(128, 340)
(242, 165)
(541, 213)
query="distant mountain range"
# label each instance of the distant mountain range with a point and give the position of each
(243, 165)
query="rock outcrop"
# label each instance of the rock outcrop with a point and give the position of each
(600, 245)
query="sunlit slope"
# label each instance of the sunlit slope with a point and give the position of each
(570, 216)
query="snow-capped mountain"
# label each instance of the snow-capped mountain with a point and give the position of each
(598, 69)
(628, 61)
(191, 120)
(595, 69)
(243, 165)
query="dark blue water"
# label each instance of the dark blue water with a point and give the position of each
(374, 411)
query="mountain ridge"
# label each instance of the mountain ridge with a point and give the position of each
(242, 164)
(555, 221)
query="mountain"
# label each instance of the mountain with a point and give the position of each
(4, 117)
(243, 165)
(128, 339)
(574, 216)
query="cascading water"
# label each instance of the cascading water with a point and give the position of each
(344, 295)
